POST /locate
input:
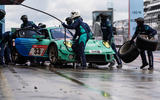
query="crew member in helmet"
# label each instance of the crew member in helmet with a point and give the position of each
(107, 32)
(28, 24)
(5, 44)
(82, 31)
(143, 29)
(5, 51)
(2, 14)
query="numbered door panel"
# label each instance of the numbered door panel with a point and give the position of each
(32, 47)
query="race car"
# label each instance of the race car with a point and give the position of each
(54, 44)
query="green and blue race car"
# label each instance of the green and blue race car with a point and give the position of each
(49, 45)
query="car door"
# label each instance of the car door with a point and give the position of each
(28, 45)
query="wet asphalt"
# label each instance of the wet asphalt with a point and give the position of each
(48, 83)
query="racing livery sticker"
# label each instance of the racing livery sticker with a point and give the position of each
(38, 50)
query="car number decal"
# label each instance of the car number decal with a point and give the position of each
(38, 50)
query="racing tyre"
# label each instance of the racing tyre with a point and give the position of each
(144, 43)
(128, 52)
(53, 54)
(17, 58)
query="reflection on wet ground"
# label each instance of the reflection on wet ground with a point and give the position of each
(129, 83)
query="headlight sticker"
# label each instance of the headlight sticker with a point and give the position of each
(106, 44)
(68, 44)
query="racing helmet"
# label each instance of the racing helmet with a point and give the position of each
(75, 15)
(2, 14)
(24, 17)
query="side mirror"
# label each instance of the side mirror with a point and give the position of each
(39, 37)
(10, 2)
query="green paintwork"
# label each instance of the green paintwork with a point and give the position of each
(93, 47)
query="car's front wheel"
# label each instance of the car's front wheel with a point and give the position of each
(53, 54)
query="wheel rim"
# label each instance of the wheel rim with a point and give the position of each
(52, 55)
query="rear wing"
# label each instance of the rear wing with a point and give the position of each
(10, 2)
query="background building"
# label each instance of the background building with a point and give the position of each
(152, 15)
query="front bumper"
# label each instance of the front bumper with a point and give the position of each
(103, 58)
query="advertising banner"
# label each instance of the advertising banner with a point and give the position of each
(135, 11)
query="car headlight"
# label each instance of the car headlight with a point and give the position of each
(68, 44)
(106, 44)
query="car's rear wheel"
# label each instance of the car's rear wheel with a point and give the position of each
(53, 54)
(17, 58)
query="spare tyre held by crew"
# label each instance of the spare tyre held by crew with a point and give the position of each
(143, 29)
(128, 52)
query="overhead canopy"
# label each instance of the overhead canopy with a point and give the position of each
(10, 2)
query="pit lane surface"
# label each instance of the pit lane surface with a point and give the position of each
(33, 83)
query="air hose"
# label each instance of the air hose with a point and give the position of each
(41, 12)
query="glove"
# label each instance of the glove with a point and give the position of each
(109, 42)
(131, 42)
(74, 40)
(63, 24)
(150, 36)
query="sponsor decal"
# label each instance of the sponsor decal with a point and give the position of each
(135, 11)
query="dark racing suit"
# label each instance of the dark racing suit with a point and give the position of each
(29, 24)
(107, 31)
(82, 30)
(6, 45)
(145, 30)
(32, 25)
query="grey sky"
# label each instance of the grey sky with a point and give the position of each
(62, 9)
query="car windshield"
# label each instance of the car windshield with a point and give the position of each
(58, 33)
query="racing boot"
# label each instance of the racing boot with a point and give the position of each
(144, 65)
(84, 68)
(119, 66)
(150, 68)
(111, 64)
(150, 57)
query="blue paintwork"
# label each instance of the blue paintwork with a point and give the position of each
(24, 45)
